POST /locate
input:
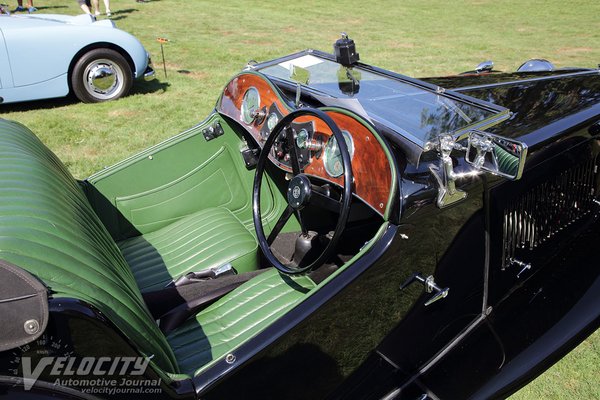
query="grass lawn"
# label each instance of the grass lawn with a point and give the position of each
(211, 41)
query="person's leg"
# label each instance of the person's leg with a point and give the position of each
(107, 7)
(84, 6)
(96, 7)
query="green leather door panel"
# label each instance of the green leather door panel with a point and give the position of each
(176, 178)
(211, 184)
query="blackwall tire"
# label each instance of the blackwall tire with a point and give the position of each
(101, 75)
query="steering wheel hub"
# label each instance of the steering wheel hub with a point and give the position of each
(298, 193)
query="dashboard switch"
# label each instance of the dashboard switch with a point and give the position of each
(250, 157)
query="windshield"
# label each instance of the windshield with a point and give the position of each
(414, 111)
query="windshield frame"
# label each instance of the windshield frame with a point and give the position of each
(499, 113)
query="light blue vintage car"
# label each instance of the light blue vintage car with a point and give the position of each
(46, 56)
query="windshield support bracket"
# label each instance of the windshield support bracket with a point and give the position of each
(448, 193)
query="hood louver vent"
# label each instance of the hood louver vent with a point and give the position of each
(548, 208)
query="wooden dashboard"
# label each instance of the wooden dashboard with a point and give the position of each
(370, 166)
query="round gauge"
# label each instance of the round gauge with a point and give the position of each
(332, 158)
(302, 139)
(272, 120)
(250, 104)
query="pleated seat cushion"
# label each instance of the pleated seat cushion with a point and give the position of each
(243, 313)
(208, 238)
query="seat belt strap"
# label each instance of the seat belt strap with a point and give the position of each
(177, 316)
(174, 305)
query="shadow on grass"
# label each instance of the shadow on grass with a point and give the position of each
(144, 87)
(43, 8)
(140, 87)
(37, 105)
(23, 12)
(122, 14)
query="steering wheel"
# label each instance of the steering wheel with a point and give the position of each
(302, 192)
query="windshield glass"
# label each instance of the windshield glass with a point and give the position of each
(413, 111)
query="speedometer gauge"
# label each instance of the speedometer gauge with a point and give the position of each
(272, 120)
(302, 139)
(250, 105)
(332, 157)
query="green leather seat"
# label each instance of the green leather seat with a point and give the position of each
(208, 238)
(234, 318)
(48, 228)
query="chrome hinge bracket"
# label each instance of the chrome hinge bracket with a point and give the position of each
(448, 193)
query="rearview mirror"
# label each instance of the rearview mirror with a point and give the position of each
(348, 80)
(496, 154)
(299, 74)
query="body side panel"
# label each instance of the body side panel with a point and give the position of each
(56, 87)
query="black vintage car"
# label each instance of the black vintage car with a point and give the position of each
(331, 230)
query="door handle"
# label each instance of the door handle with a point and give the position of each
(429, 285)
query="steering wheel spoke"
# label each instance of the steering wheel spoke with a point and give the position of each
(323, 200)
(293, 147)
(283, 219)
